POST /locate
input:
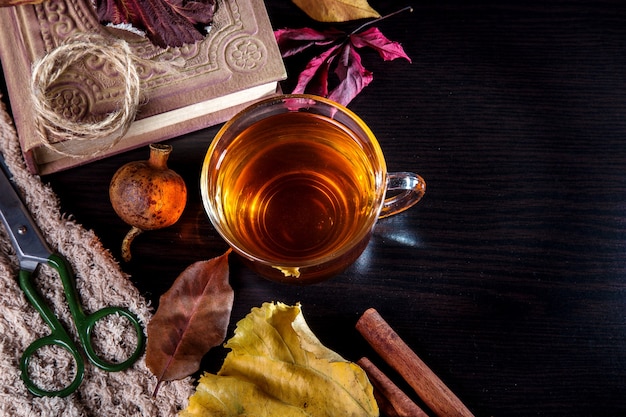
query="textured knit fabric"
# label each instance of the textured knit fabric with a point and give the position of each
(100, 283)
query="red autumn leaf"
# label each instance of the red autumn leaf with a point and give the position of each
(341, 58)
(354, 77)
(165, 22)
(314, 78)
(293, 41)
(192, 317)
(373, 38)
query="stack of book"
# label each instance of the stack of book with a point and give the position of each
(183, 89)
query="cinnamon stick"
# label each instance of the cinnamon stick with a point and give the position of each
(384, 406)
(386, 342)
(401, 404)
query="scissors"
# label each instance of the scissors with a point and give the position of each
(32, 250)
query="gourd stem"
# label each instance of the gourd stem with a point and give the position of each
(128, 239)
(159, 153)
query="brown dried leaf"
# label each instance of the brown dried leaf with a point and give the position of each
(336, 10)
(192, 317)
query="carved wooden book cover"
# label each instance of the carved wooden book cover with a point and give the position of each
(183, 89)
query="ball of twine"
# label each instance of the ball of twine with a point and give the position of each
(50, 67)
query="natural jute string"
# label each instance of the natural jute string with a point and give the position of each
(52, 124)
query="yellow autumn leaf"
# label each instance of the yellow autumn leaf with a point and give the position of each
(336, 10)
(226, 396)
(278, 367)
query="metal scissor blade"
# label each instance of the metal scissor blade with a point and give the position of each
(26, 237)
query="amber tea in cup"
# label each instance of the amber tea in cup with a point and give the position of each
(295, 184)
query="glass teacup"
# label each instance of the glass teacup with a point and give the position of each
(295, 185)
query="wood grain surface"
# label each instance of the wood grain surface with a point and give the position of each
(509, 278)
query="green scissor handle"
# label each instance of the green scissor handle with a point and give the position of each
(58, 337)
(84, 327)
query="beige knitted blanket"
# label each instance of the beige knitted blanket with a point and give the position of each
(100, 283)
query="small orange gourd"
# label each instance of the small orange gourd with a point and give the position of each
(147, 195)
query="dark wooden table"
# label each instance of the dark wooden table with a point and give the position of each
(509, 278)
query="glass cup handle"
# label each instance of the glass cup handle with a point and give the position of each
(412, 188)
